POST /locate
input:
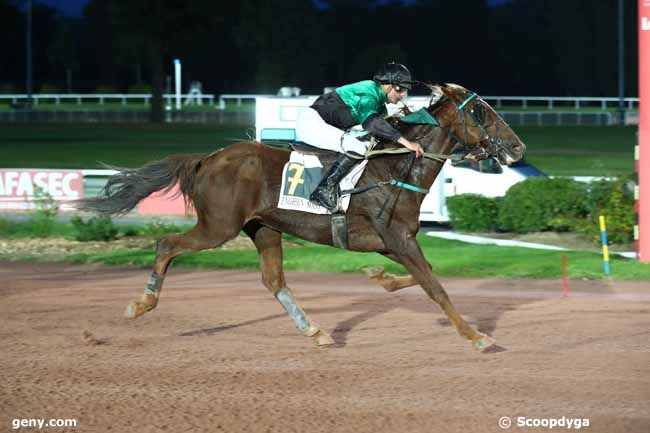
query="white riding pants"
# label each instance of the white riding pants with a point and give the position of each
(313, 130)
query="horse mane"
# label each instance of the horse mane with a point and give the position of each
(438, 98)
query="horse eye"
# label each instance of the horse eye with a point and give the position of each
(479, 113)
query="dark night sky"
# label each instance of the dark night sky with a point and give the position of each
(66, 7)
(75, 7)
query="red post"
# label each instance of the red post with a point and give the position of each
(565, 285)
(644, 131)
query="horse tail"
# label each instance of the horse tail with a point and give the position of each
(124, 190)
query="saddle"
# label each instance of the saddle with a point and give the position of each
(326, 157)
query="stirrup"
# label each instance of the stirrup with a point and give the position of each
(323, 193)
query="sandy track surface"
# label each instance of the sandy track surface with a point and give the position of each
(220, 355)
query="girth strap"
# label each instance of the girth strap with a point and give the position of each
(339, 230)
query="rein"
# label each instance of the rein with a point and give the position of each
(438, 157)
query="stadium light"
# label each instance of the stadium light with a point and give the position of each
(177, 72)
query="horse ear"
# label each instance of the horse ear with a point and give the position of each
(436, 93)
(431, 87)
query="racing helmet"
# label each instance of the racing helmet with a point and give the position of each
(394, 73)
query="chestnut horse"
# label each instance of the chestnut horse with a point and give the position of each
(237, 188)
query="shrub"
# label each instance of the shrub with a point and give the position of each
(157, 229)
(599, 194)
(98, 228)
(44, 214)
(130, 230)
(6, 228)
(50, 88)
(105, 90)
(8, 88)
(615, 201)
(472, 212)
(539, 203)
(140, 88)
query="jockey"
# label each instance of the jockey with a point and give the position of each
(324, 124)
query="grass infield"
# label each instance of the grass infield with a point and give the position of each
(560, 151)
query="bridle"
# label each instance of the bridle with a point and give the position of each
(477, 114)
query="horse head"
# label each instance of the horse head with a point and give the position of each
(474, 124)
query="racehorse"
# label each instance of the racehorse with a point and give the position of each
(237, 188)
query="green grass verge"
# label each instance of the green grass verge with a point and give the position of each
(449, 258)
(31, 228)
(560, 151)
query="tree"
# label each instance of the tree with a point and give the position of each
(11, 67)
(282, 38)
(160, 28)
(63, 52)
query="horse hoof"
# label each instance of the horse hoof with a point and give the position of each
(136, 309)
(324, 339)
(376, 272)
(484, 343)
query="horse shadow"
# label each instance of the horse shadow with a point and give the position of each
(481, 312)
(483, 315)
(218, 329)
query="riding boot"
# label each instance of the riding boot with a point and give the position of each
(327, 192)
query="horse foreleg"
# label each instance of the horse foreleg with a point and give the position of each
(391, 282)
(168, 248)
(269, 246)
(413, 259)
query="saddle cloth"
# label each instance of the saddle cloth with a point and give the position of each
(300, 177)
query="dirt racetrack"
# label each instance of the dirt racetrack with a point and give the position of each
(219, 354)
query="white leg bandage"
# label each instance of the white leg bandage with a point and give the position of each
(285, 297)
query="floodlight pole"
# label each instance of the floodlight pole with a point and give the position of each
(28, 54)
(621, 64)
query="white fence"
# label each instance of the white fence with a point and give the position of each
(79, 98)
(552, 102)
(563, 118)
(237, 98)
(499, 102)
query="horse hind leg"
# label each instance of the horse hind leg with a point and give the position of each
(269, 246)
(167, 248)
(391, 282)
